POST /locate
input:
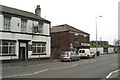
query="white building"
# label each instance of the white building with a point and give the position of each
(103, 50)
(23, 34)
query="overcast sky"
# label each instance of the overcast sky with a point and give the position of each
(77, 13)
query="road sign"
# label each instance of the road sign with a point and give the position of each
(71, 45)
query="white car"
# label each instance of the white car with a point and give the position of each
(86, 53)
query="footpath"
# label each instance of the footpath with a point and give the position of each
(115, 75)
(19, 63)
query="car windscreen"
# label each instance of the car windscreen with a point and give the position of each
(65, 53)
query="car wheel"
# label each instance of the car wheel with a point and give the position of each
(88, 57)
(70, 60)
(61, 60)
(93, 56)
(78, 59)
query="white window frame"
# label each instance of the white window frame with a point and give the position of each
(7, 23)
(39, 46)
(8, 45)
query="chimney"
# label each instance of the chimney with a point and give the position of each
(38, 10)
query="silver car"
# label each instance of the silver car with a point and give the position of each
(69, 56)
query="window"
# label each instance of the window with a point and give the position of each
(0, 47)
(76, 38)
(23, 26)
(39, 48)
(7, 47)
(7, 24)
(40, 28)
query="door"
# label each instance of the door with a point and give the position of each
(22, 53)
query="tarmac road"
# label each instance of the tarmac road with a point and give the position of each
(98, 67)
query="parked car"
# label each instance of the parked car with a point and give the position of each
(86, 53)
(69, 56)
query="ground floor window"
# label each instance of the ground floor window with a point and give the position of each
(7, 47)
(39, 48)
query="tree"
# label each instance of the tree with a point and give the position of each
(116, 45)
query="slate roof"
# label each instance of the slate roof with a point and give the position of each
(66, 27)
(20, 12)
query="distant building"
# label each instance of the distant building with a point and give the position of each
(99, 42)
(103, 47)
(23, 34)
(65, 38)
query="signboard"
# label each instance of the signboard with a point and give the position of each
(85, 44)
(71, 47)
(22, 44)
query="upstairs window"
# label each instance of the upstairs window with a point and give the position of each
(40, 28)
(37, 27)
(76, 38)
(23, 26)
(6, 24)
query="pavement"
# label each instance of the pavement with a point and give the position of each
(114, 75)
(19, 63)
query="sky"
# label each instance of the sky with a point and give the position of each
(80, 14)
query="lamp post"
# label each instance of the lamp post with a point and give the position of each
(96, 34)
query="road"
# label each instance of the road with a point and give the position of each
(98, 67)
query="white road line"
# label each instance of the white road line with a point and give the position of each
(65, 67)
(40, 71)
(25, 75)
(10, 76)
(112, 73)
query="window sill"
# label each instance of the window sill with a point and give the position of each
(39, 54)
(8, 55)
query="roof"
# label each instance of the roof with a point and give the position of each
(20, 12)
(66, 27)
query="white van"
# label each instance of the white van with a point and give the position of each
(85, 53)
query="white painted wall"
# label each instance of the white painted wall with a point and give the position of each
(46, 29)
(111, 50)
(1, 22)
(29, 26)
(14, 36)
(14, 24)
(99, 49)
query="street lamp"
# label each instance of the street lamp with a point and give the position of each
(96, 34)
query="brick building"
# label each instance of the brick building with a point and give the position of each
(64, 35)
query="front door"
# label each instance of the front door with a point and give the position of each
(23, 51)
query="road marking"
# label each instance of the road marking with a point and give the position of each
(65, 67)
(25, 75)
(10, 76)
(112, 73)
(40, 71)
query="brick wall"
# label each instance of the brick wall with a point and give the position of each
(61, 42)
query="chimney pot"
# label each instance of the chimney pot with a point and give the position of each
(38, 10)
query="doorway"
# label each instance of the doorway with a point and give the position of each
(23, 50)
(22, 53)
